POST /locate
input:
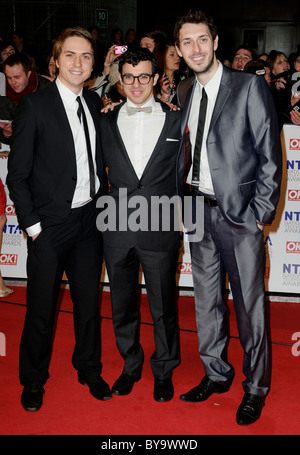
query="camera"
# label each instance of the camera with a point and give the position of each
(120, 49)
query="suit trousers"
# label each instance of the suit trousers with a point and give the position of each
(159, 268)
(222, 250)
(75, 246)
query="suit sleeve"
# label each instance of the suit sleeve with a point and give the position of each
(264, 128)
(21, 161)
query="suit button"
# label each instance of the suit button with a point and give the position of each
(140, 186)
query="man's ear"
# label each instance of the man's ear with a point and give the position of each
(155, 79)
(216, 43)
(178, 50)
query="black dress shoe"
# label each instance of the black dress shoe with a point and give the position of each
(250, 409)
(99, 389)
(204, 390)
(32, 396)
(163, 390)
(124, 384)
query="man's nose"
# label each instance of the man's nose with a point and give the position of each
(136, 82)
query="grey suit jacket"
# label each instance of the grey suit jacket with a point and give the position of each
(243, 146)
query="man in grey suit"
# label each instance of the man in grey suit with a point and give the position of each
(236, 170)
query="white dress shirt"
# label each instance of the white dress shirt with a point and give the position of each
(140, 133)
(212, 89)
(82, 190)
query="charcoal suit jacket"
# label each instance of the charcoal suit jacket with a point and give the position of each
(243, 148)
(42, 170)
(157, 180)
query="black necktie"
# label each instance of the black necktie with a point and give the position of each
(80, 112)
(199, 137)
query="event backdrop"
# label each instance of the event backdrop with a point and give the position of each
(282, 239)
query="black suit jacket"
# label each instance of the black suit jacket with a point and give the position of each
(42, 164)
(243, 148)
(158, 179)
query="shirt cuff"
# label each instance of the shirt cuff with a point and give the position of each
(33, 230)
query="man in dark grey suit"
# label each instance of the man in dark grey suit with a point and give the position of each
(140, 145)
(236, 170)
(54, 184)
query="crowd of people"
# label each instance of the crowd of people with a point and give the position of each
(230, 159)
(279, 71)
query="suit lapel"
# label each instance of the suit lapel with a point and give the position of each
(117, 136)
(62, 122)
(121, 146)
(224, 91)
(161, 140)
(187, 103)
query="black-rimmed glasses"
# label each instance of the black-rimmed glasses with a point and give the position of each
(143, 79)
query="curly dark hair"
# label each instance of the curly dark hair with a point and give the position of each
(195, 17)
(136, 55)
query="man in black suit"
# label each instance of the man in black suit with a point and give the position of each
(237, 175)
(53, 184)
(140, 144)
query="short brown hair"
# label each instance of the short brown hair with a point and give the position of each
(67, 33)
(195, 17)
(19, 59)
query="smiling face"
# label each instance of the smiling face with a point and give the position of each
(75, 62)
(137, 93)
(6, 52)
(198, 48)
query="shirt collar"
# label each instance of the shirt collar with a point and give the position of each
(67, 95)
(214, 82)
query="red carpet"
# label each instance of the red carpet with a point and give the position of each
(69, 409)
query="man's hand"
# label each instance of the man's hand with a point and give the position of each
(110, 107)
(260, 225)
(7, 131)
